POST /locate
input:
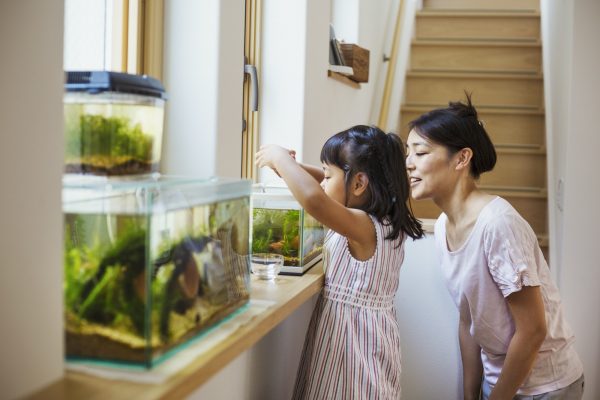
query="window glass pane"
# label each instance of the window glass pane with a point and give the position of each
(85, 44)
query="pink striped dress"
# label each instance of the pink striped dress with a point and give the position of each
(352, 347)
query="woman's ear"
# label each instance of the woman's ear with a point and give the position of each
(463, 158)
(359, 184)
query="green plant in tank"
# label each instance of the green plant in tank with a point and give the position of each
(96, 135)
(276, 231)
(116, 288)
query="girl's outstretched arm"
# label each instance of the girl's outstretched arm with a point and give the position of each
(353, 223)
(314, 171)
(527, 309)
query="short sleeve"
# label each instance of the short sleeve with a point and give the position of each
(510, 247)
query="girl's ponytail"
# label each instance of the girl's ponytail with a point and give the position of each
(381, 156)
(400, 215)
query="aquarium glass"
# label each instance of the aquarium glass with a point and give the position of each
(111, 133)
(151, 264)
(280, 225)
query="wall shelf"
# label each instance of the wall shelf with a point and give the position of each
(343, 79)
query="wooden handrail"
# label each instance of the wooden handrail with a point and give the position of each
(391, 71)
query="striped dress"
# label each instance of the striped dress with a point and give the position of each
(352, 347)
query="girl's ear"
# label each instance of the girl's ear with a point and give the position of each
(463, 158)
(359, 184)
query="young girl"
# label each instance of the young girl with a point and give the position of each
(352, 348)
(511, 328)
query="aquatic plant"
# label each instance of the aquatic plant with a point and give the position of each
(95, 135)
(276, 231)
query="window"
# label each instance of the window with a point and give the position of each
(114, 35)
(250, 110)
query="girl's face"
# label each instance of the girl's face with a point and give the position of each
(333, 183)
(429, 167)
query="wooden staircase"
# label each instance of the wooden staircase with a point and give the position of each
(491, 48)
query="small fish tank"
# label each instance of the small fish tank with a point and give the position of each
(113, 123)
(150, 264)
(280, 225)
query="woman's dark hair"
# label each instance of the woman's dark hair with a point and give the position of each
(381, 157)
(457, 127)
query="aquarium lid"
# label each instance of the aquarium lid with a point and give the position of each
(108, 81)
(149, 194)
(275, 197)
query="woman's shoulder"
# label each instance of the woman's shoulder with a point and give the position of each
(501, 219)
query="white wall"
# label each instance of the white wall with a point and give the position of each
(203, 128)
(31, 165)
(300, 106)
(267, 371)
(580, 274)
(282, 77)
(557, 56)
(428, 318)
(572, 64)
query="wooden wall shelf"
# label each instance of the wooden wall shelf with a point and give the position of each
(343, 79)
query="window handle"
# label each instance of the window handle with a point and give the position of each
(251, 70)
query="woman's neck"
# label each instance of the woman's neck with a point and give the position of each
(463, 203)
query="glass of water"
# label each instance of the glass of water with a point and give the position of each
(266, 265)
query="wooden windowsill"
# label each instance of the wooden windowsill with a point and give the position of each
(288, 294)
(343, 79)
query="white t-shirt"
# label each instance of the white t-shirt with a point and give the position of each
(500, 256)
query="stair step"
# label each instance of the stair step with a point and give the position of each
(476, 56)
(516, 126)
(465, 25)
(524, 149)
(517, 167)
(478, 13)
(531, 203)
(515, 5)
(491, 90)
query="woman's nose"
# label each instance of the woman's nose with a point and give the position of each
(409, 163)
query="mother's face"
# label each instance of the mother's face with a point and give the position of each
(430, 168)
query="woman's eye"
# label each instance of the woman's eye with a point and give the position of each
(420, 154)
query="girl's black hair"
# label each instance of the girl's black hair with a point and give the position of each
(457, 127)
(381, 157)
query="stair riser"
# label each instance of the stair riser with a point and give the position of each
(532, 209)
(477, 27)
(486, 91)
(482, 4)
(502, 128)
(476, 58)
(517, 170)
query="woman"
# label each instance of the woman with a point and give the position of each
(512, 331)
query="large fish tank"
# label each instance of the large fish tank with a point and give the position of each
(113, 123)
(280, 225)
(149, 264)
